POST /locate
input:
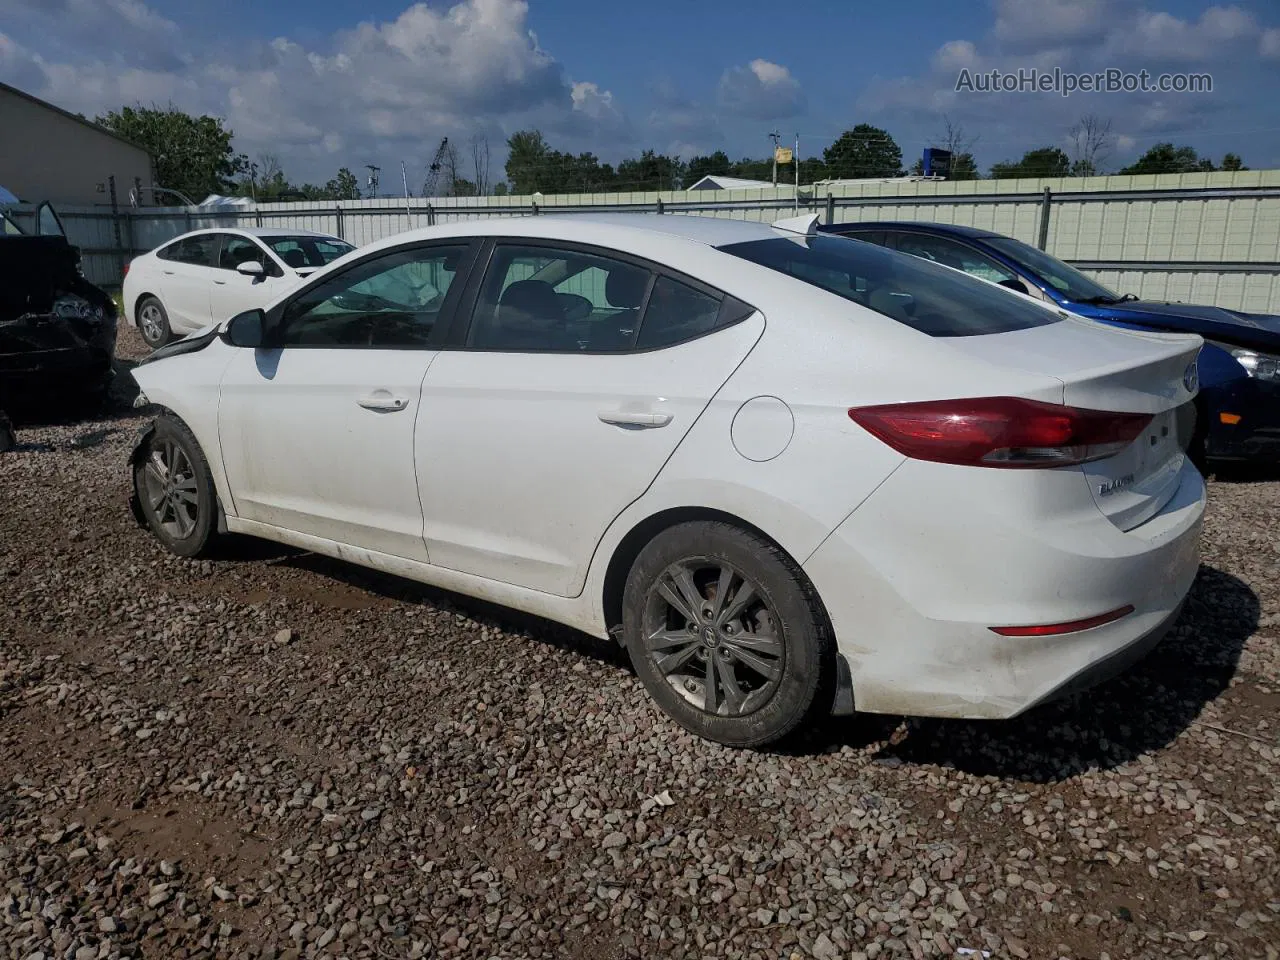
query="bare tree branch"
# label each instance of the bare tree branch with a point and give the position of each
(1091, 141)
(480, 164)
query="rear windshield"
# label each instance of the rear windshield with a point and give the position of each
(933, 299)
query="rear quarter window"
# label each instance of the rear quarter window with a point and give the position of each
(933, 299)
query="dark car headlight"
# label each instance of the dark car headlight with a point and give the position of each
(1261, 366)
(71, 307)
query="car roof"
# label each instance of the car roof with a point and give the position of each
(945, 229)
(264, 232)
(602, 228)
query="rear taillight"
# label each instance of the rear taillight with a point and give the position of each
(126, 268)
(1008, 432)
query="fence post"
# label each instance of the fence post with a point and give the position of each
(535, 208)
(337, 212)
(115, 225)
(831, 208)
(431, 215)
(660, 206)
(257, 215)
(1045, 203)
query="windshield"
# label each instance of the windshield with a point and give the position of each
(933, 299)
(302, 252)
(1067, 280)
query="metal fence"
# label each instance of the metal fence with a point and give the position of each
(1206, 238)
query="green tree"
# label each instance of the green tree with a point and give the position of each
(345, 186)
(1166, 158)
(650, 171)
(963, 167)
(714, 164)
(1042, 162)
(864, 151)
(191, 154)
(527, 162)
(1232, 162)
(500, 188)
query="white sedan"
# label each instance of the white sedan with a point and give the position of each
(207, 276)
(792, 473)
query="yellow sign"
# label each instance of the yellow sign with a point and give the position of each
(782, 154)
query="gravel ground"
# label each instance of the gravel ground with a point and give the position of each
(276, 755)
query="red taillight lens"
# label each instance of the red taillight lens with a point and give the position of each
(126, 269)
(1006, 432)
(1072, 626)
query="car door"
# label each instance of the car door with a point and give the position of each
(579, 373)
(234, 292)
(186, 276)
(317, 431)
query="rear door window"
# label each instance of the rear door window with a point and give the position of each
(199, 251)
(936, 300)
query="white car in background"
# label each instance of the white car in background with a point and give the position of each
(208, 276)
(792, 473)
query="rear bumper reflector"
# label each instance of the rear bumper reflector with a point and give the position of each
(1072, 626)
(1231, 419)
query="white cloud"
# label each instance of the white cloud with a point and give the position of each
(1031, 22)
(380, 92)
(957, 55)
(1270, 43)
(761, 90)
(1162, 36)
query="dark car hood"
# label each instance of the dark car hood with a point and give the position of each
(1258, 330)
(33, 271)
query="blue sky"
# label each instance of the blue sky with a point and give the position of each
(330, 83)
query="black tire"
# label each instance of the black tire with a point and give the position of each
(186, 529)
(785, 614)
(155, 328)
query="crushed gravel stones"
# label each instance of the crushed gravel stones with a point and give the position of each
(277, 755)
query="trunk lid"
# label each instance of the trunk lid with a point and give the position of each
(1111, 369)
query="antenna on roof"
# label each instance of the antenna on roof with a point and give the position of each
(805, 225)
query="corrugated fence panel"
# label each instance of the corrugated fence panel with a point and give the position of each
(1155, 236)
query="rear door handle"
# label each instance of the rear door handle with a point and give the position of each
(221, 283)
(383, 402)
(631, 418)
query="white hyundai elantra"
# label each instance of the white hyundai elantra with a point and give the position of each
(791, 473)
(207, 276)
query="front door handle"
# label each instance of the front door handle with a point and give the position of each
(221, 283)
(383, 402)
(632, 418)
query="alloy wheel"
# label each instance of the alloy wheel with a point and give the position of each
(712, 635)
(169, 489)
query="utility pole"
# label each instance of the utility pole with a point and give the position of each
(795, 158)
(774, 137)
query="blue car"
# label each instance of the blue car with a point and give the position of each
(1239, 365)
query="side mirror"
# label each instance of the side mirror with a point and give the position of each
(250, 268)
(1013, 283)
(246, 329)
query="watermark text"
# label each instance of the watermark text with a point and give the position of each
(1057, 80)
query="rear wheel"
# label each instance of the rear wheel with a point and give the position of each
(153, 323)
(175, 489)
(727, 634)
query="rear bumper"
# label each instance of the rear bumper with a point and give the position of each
(913, 588)
(1256, 437)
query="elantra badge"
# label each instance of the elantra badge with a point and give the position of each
(1191, 377)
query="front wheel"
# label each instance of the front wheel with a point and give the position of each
(175, 491)
(727, 635)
